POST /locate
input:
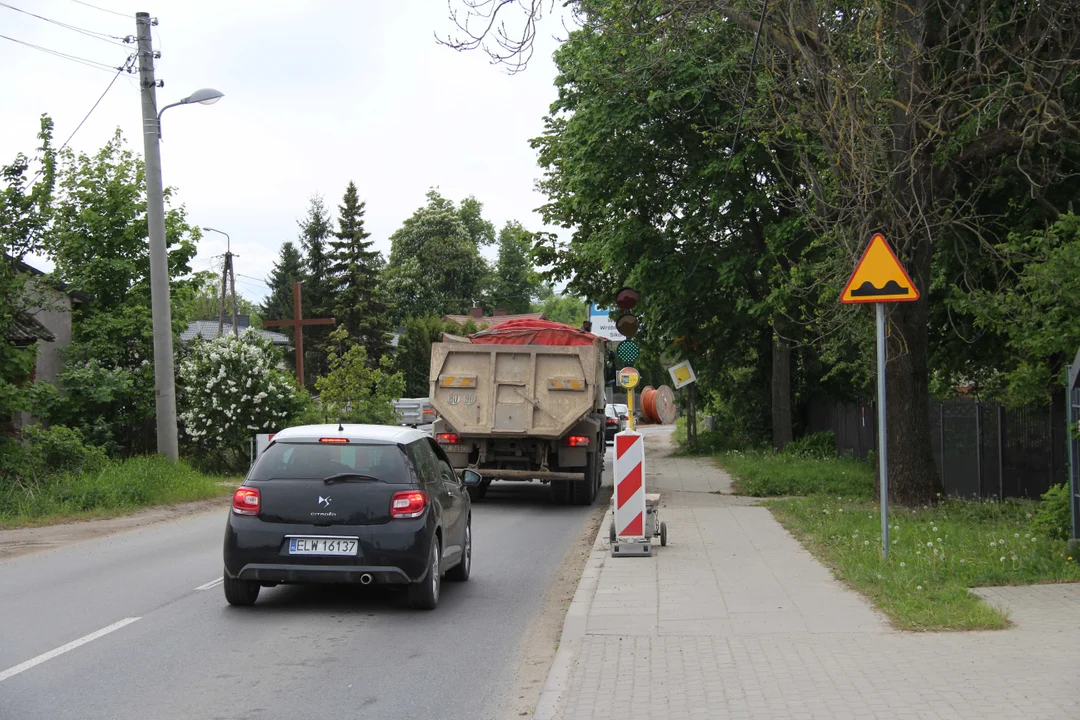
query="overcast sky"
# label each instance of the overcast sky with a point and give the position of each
(316, 94)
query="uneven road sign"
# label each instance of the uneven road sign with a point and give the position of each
(879, 277)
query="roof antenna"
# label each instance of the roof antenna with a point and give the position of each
(340, 427)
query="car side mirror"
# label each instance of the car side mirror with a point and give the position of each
(471, 478)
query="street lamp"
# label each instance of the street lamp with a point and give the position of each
(164, 377)
(204, 96)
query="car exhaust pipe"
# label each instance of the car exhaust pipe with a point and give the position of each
(366, 579)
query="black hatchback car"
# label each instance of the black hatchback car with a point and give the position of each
(366, 504)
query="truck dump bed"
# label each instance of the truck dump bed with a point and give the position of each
(526, 378)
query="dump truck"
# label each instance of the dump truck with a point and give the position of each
(523, 401)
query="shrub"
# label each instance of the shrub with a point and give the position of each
(819, 446)
(230, 389)
(1053, 516)
(60, 449)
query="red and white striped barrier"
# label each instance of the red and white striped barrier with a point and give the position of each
(629, 485)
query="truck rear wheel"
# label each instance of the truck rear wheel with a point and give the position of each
(561, 491)
(585, 490)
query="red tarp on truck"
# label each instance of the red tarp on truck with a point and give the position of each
(534, 332)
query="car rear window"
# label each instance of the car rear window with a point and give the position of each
(315, 461)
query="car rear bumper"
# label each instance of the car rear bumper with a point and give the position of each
(280, 573)
(394, 552)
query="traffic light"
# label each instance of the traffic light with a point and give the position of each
(627, 324)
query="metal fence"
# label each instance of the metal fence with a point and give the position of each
(980, 449)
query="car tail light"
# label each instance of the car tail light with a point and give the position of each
(612, 421)
(336, 440)
(448, 438)
(577, 440)
(246, 501)
(408, 504)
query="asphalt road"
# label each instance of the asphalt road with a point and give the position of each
(154, 638)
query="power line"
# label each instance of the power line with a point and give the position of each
(104, 37)
(83, 61)
(80, 2)
(249, 277)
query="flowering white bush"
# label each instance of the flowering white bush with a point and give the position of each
(231, 389)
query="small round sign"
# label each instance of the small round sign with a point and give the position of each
(628, 351)
(629, 378)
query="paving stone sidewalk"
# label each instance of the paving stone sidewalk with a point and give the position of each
(734, 619)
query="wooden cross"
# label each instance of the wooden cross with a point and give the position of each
(297, 323)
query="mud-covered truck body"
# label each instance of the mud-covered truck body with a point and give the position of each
(523, 401)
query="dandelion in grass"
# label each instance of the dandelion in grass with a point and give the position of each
(929, 544)
(935, 529)
(903, 564)
(1003, 558)
(866, 542)
(918, 587)
(1016, 534)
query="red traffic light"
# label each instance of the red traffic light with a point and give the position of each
(626, 298)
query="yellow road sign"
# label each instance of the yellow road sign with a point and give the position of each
(629, 377)
(879, 277)
(682, 374)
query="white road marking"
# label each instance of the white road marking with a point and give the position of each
(211, 584)
(12, 671)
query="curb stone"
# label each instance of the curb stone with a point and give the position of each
(577, 617)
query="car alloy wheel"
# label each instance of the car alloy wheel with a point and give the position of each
(436, 580)
(468, 549)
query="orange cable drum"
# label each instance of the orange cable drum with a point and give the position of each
(658, 405)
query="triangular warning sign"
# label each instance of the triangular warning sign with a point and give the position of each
(879, 277)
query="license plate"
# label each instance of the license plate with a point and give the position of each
(322, 546)
(457, 448)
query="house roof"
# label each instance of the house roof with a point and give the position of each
(208, 330)
(491, 321)
(26, 330)
(23, 266)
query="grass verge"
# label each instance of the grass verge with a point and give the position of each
(935, 555)
(761, 473)
(121, 487)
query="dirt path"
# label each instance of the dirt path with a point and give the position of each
(24, 541)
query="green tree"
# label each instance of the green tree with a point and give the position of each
(99, 245)
(565, 309)
(435, 265)
(515, 282)
(356, 267)
(352, 390)
(319, 291)
(279, 304)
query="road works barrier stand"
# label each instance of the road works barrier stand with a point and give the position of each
(629, 536)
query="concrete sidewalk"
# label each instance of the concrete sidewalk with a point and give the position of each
(734, 619)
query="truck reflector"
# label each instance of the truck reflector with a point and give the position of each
(457, 381)
(565, 384)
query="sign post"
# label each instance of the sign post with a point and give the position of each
(628, 379)
(880, 278)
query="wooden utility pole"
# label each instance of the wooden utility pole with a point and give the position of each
(297, 324)
(228, 287)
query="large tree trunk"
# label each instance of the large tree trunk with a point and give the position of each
(781, 391)
(913, 478)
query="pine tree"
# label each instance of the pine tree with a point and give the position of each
(278, 305)
(356, 267)
(319, 292)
